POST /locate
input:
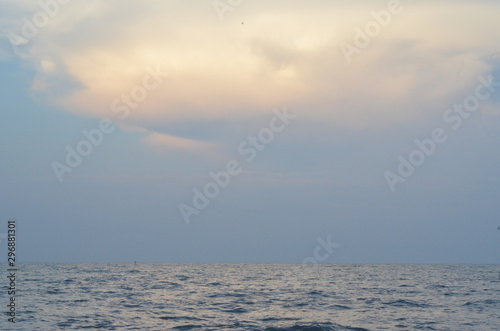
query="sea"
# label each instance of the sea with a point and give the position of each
(128, 296)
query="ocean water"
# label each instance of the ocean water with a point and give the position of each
(254, 297)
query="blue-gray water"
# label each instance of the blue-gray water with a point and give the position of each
(255, 297)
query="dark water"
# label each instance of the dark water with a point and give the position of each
(255, 297)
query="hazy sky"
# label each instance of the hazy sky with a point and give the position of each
(251, 131)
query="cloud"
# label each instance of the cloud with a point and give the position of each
(286, 53)
(163, 142)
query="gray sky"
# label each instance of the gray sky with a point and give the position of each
(183, 131)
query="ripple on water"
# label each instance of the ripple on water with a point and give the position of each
(232, 297)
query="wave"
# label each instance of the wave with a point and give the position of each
(316, 327)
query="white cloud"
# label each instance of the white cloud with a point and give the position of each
(163, 142)
(285, 53)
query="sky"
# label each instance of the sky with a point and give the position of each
(235, 131)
